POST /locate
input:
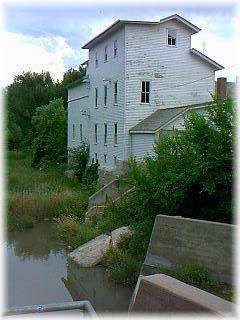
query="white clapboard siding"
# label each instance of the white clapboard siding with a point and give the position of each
(177, 77)
(147, 57)
(142, 145)
(78, 108)
(112, 70)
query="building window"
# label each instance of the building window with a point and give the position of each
(81, 132)
(115, 92)
(105, 95)
(145, 92)
(105, 133)
(96, 60)
(105, 158)
(171, 37)
(115, 48)
(105, 54)
(96, 133)
(115, 160)
(115, 133)
(73, 132)
(96, 97)
(96, 157)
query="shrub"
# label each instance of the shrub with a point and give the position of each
(120, 267)
(78, 158)
(191, 172)
(91, 176)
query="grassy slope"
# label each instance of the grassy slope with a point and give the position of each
(34, 195)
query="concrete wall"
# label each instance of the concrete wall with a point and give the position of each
(110, 192)
(163, 294)
(176, 241)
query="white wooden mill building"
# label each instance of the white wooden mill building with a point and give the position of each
(141, 77)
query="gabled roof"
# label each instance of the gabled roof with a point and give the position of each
(202, 56)
(159, 118)
(119, 23)
(180, 19)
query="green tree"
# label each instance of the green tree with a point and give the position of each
(50, 126)
(27, 92)
(191, 173)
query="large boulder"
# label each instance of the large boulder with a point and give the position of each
(90, 253)
(119, 233)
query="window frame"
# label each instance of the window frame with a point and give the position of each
(81, 132)
(115, 93)
(73, 132)
(96, 59)
(115, 134)
(115, 47)
(106, 53)
(105, 134)
(96, 97)
(96, 133)
(105, 88)
(175, 31)
(146, 93)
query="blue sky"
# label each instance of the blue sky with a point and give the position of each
(50, 37)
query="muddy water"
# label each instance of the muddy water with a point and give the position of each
(37, 273)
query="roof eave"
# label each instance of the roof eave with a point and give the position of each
(142, 131)
(188, 24)
(207, 59)
(88, 44)
(113, 27)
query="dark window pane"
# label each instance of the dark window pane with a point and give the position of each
(173, 41)
(143, 97)
(143, 86)
(147, 97)
(169, 40)
(147, 86)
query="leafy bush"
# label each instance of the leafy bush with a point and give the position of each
(90, 177)
(50, 125)
(86, 174)
(191, 173)
(120, 267)
(78, 158)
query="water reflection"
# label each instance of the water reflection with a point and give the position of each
(35, 264)
(37, 273)
(35, 243)
(92, 284)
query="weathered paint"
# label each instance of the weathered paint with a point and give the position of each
(176, 77)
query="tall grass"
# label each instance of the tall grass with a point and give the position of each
(38, 194)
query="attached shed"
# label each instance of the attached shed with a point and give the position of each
(144, 134)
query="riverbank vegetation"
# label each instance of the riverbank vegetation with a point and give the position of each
(190, 175)
(36, 194)
(37, 160)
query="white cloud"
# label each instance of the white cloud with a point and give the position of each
(99, 27)
(25, 53)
